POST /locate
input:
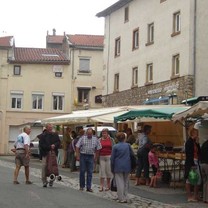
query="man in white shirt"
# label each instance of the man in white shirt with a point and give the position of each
(22, 154)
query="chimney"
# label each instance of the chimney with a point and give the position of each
(54, 31)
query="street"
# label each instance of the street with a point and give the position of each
(66, 193)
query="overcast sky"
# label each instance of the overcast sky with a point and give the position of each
(29, 20)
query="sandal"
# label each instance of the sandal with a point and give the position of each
(107, 189)
(28, 182)
(101, 189)
(15, 182)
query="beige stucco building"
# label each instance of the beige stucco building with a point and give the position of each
(38, 83)
(86, 65)
(34, 84)
(155, 51)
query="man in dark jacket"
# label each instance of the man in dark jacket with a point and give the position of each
(49, 141)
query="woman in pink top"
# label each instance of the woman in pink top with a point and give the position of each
(154, 163)
(104, 155)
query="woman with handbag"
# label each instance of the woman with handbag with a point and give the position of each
(193, 155)
(104, 159)
(121, 166)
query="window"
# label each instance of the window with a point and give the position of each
(135, 39)
(176, 23)
(17, 70)
(176, 65)
(150, 33)
(58, 74)
(149, 73)
(116, 82)
(117, 46)
(84, 65)
(37, 101)
(134, 76)
(16, 99)
(126, 14)
(58, 101)
(83, 95)
(58, 70)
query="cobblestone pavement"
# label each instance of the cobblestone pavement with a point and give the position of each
(133, 202)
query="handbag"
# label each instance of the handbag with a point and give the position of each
(113, 186)
(133, 159)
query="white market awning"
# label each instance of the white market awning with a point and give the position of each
(196, 111)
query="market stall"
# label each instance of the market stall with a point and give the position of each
(164, 132)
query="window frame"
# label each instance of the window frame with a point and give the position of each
(82, 65)
(149, 73)
(83, 95)
(134, 76)
(16, 96)
(126, 14)
(36, 98)
(117, 46)
(116, 82)
(135, 39)
(58, 74)
(176, 23)
(150, 33)
(176, 65)
(59, 101)
(17, 70)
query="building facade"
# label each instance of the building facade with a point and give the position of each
(155, 51)
(35, 83)
(86, 65)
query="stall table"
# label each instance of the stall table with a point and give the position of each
(172, 161)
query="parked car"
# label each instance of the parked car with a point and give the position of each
(111, 130)
(34, 146)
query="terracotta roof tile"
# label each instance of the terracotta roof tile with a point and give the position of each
(6, 41)
(86, 40)
(39, 56)
(58, 39)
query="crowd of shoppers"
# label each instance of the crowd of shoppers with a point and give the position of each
(114, 159)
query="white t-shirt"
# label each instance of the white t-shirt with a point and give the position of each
(22, 140)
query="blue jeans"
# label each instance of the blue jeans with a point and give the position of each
(86, 165)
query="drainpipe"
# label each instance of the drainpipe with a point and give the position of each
(108, 55)
(194, 48)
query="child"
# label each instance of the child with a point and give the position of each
(154, 163)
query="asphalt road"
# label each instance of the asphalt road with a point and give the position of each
(67, 194)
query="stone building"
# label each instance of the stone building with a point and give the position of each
(155, 51)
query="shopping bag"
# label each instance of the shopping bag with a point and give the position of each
(193, 177)
(113, 185)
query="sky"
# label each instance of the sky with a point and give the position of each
(29, 20)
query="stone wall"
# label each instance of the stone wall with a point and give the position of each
(181, 88)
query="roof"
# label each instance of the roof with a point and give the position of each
(196, 111)
(194, 100)
(86, 40)
(157, 113)
(39, 56)
(113, 8)
(82, 116)
(6, 41)
(55, 39)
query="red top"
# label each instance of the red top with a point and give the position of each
(106, 147)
